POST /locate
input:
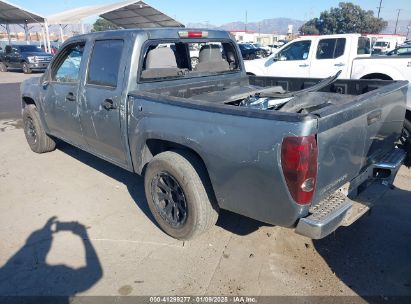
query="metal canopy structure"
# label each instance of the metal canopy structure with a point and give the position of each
(13, 14)
(125, 14)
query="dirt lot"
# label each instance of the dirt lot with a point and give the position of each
(115, 248)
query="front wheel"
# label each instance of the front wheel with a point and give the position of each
(26, 68)
(179, 195)
(36, 137)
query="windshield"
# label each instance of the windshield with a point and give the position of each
(29, 48)
(381, 43)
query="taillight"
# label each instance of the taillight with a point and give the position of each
(299, 164)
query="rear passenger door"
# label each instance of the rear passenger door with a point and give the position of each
(331, 56)
(101, 101)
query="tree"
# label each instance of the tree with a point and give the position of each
(346, 18)
(103, 25)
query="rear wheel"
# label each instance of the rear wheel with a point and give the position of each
(251, 57)
(179, 195)
(36, 137)
(26, 68)
(3, 67)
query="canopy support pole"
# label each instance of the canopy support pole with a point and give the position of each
(43, 37)
(26, 32)
(46, 27)
(82, 26)
(61, 33)
(8, 32)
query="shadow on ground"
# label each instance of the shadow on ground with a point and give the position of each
(232, 222)
(27, 274)
(373, 256)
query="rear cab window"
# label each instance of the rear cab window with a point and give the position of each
(364, 46)
(173, 59)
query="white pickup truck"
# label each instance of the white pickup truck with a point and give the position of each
(322, 56)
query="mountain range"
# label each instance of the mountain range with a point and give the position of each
(280, 26)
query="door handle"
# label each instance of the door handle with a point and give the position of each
(108, 104)
(70, 97)
(304, 65)
(339, 64)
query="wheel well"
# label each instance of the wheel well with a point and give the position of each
(27, 101)
(379, 76)
(157, 146)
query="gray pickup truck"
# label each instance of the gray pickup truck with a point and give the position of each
(289, 152)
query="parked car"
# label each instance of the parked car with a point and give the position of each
(318, 56)
(26, 57)
(401, 51)
(289, 152)
(249, 52)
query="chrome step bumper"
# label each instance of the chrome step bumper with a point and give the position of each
(325, 217)
(339, 210)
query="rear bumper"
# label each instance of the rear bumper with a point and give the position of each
(339, 210)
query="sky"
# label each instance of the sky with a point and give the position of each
(218, 12)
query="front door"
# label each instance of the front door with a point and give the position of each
(331, 56)
(103, 127)
(61, 110)
(292, 61)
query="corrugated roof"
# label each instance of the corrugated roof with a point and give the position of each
(126, 14)
(10, 13)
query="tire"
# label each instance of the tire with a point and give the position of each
(36, 137)
(188, 187)
(26, 69)
(3, 67)
(251, 57)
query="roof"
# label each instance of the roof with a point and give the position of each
(125, 14)
(10, 13)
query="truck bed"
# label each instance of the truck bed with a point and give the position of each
(231, 93)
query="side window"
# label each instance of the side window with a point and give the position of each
(295, 51)
(105, 62)
(67, 67)
(330, 48)
(364, 46)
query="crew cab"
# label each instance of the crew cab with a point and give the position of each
(29, 58)
(295, 153)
